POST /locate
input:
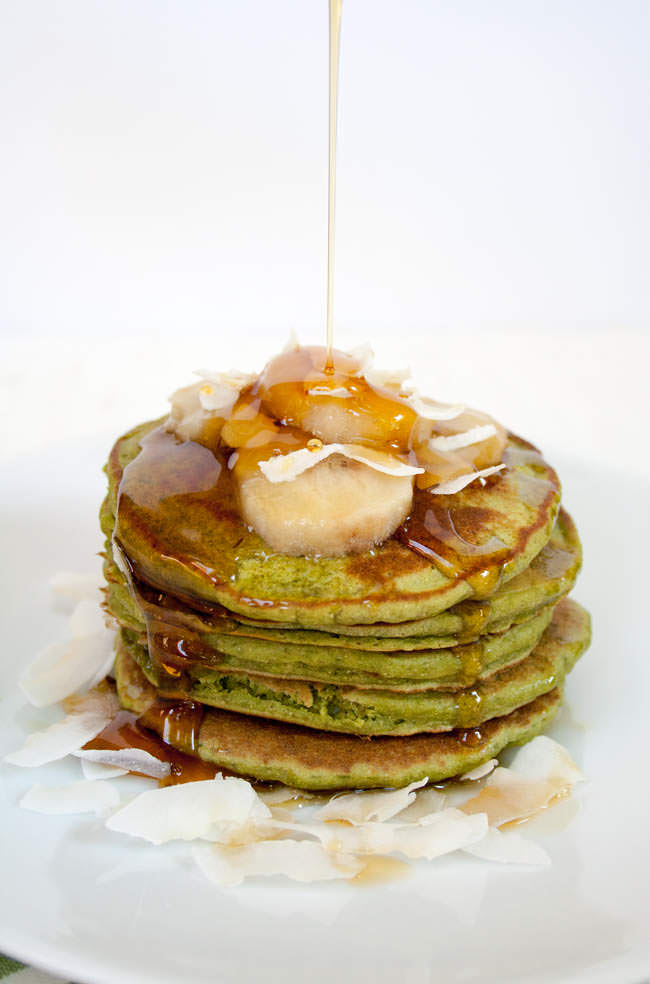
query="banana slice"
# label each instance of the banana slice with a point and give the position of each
(337, 507)
(337, 406)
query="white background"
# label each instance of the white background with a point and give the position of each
(163, 207)
(163, 204)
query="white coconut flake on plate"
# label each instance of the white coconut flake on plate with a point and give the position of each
(429, 837)
(480, 771)
(69, 588)
(65, 667)
(360, 807)
(465, 439)
(540, 772)
(462, 481)
(128, 760)
(77, 797)
(59, 739)
(508, 847)
(302, 861)
(189, 810)
(286, 467)
(95, 770)
(88, 619)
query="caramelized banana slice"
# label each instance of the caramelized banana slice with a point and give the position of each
(339, 506)
(337, 406)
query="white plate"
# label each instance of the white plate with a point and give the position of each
(96, 907)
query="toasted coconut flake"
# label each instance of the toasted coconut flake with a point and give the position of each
(220, 389)
(454, 442)
(127, 760)
(338, 392)
(59, 739)
(508, 848)
(95, 770)
(279, 795)
(190, 810)
(429, 837)
(389, 378)
(286, 467)
(480, 771)
(360, 807)
(65, 667)
(541, 771)
(301, 861)
(69, 588)
(456, 484)
(101, 699)
(78, 797)
(427, 801)
(430, 410)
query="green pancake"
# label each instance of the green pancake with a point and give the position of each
(451, 668)
(178, 528)
(272, 751)
(385, 712)
(551, 575)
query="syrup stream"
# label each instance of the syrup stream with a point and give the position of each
(335, 35)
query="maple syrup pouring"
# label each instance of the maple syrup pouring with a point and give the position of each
(334, 39)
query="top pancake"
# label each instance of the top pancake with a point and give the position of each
(179, 529)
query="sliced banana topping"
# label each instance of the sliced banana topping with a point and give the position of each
(339, 506)
(325, 452)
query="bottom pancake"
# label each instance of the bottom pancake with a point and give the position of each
(305, 758)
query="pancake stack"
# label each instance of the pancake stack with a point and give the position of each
(424, 656)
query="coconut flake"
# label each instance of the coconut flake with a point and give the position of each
(95, 770)
(541, 771)
(190, 810)
(220, 389)
(59, 739)
(69, 588)
(508, 848)
(127, 760)
(390, 378)
(301, 861)
(480, 771)
(360, 807)
(364, 355)
(454, 442)
(338, 392)
(456, 484)
(293, 344)
(430, 410)
(427, 801)
(64, 667)
(286, 467)
(78, 797)
(430, 837)
(87, 619)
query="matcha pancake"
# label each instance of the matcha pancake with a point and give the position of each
(306, 759)
(179, 529)
(386, 712)
(550, 576)
(453, 668)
